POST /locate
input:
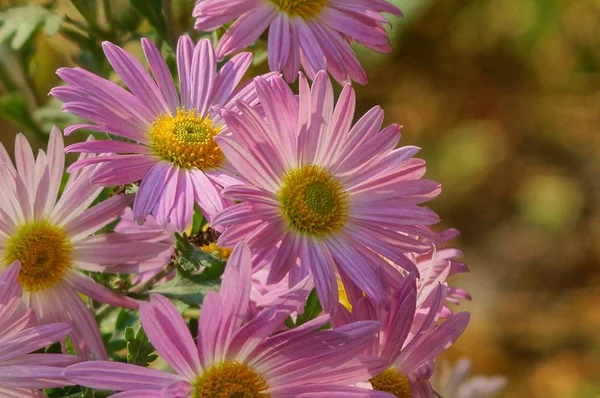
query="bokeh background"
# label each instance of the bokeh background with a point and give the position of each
(504, 98)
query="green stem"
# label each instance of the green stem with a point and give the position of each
(139, 289)
(168, 13)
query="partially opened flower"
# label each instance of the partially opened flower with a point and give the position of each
(437, 266)
(22, 374)
(457, 382)
(336, 197)
(238, 356)
(314, 33)
(170, 145)
(408, 351)
(54, 239)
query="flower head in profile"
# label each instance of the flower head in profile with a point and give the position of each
(237, 355)
(314, 33)
(166, 138)
(409, 339)
(437, 266)
(457, 382)
(54, 239)
(323, 197)
(22, 374)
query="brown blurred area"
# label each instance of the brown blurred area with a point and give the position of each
(504, 98)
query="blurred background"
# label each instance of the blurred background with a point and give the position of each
(504, 98)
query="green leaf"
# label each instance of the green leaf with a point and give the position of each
(13, 107)
(87, 9)
(312, 309)
(191, 258)
(152, 11)
(21, 23)
(190, 289)
(139, 350)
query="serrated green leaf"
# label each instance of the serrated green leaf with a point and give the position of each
(20, 23)
(139, 350)
(190, 289)
(191, 258)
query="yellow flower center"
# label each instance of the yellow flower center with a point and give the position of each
(187, 140)
(230, 380)
(313, 201)
(303, 8)
(393, 382)
(44, 252)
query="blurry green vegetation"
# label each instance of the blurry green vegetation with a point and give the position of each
(504, 98)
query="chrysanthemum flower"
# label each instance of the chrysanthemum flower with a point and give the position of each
(237, 355)
(171, 145)
(409, 339)
(22, 373)
(53, 239)
(314, 33)
(336, 198)
(457, 382)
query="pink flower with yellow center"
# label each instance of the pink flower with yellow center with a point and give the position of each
(53, 238)
(166, 137)
(239, 355)
(314, 33)
(22, 374)
(409, 339)
(323, 197)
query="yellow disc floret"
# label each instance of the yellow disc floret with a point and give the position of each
(302, 8)
(392, 381)
(44, 251)
(230, 379)
(313, 201)
(187, 140)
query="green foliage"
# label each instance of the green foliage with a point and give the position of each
(312, 309)
(191, 258)
(153, 12)
(13, 107)
(21, 23)
(139, 350)
(189, 288)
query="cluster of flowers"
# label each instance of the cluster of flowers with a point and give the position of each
(305, 198)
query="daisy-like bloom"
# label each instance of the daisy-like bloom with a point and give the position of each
(457, 382)
(22, 373)
(54, 239)
(314, 33)
(170, 145)
(409, 353)
(332, 197)
(238, 356)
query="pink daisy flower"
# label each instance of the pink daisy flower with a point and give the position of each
(239, 356)
(407, 341)
(22, 374)
(457, 382)
(314, 33)
(335, 198)
(54, 239)
(170, 145)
